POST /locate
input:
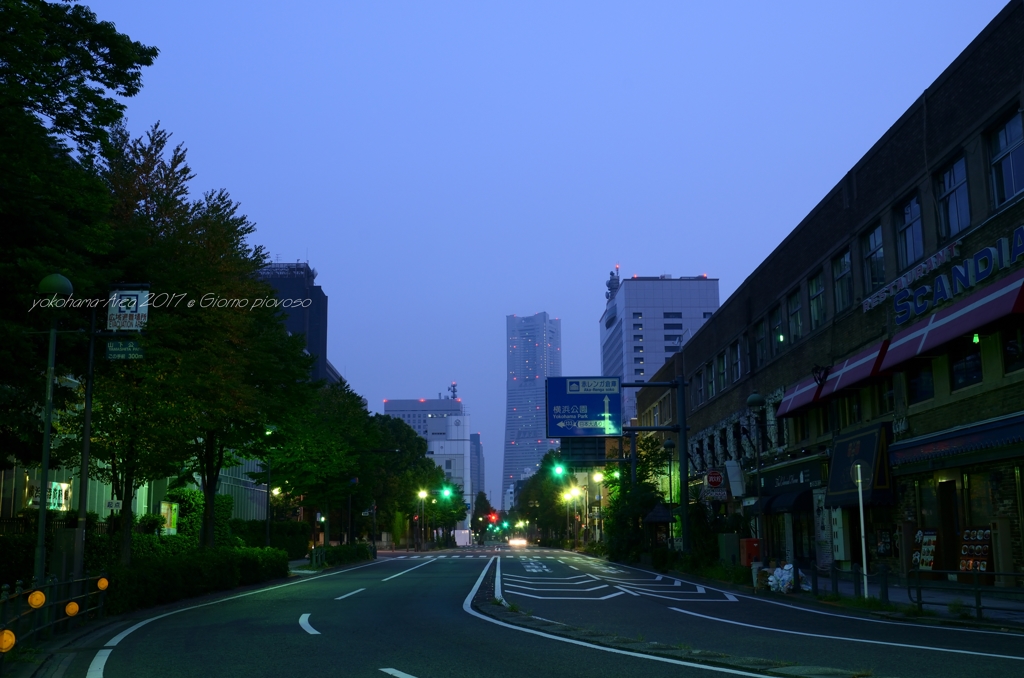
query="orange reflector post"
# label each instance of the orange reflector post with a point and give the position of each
(102, 583)
(6, 640)
(71, 609)
(36, 599)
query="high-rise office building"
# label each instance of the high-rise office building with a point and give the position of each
(297, 281)
(534, 354)
(445, 426)
(648, 319)
(476, 464)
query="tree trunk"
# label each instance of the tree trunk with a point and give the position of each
(127, 517)
(210, 471)
(327, 523)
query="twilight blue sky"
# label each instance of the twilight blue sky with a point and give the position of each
(445, 164)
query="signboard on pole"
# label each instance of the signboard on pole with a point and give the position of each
(585, 407)
(124, 350)
(128, 309)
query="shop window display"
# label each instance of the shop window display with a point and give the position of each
(1013, 350)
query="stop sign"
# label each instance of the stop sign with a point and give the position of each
(714, 478)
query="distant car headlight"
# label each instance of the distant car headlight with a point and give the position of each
(517, 542)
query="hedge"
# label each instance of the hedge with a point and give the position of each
(347, 553)
(166, 579)
(293, 537)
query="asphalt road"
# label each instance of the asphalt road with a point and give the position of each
(611, 598)
(406, 616)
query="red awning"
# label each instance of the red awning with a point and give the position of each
(797, 396)
(982, 307)
(854, 369)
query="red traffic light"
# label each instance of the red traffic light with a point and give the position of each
(493, 517)
(416, 517)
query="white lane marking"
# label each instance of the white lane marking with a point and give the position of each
(849, 640)
(397, 673)
(400, 557)
(304, 623)
(530, 595)
(467, 606)
(574, 568)
(628, 591)
(426, 562)
(658, 578)
(545, 580)
(497, 581)
(98, 662)
(530, 588)
(350, 593)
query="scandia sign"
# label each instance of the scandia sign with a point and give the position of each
(1007, 252)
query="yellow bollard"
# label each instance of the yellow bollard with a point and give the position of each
(7, 640)
(36, 599)
(71, 609)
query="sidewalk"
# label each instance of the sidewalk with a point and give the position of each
(952, 601)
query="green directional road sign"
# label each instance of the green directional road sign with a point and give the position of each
(583, 407)
(124, 350)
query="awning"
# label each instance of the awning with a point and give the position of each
(868, 446)
(791, 502)
(756, 508)
(982, 307)
(797, 396)
(854, 369)
(999, 432)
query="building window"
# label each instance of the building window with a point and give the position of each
(637, 315)
(673, 337)
(822, 420)
(707, 314)
(710, 370)
(874, 258)
(759, 348)
(909, 235)
(920, 382)
(965, 363)
(775, 333)
(638, 361)
(638, 349)
(842, 281)
(673, 326)
(637, 327)
(954, 210)
(1013, 350)
(672, 348)
(816, 292)
(722, 374)
(800, 428)
(848, 410)
(639, 372)
(448, 463)
(796, 322)
(638, 337)
(677, 314)
(1008, 160)
(734, 359)
(885, 398)
(699, 386)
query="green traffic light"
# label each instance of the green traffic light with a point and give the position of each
(559, 470)
(446, 492)
(505, 525)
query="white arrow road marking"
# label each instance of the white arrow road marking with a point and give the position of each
(428, 562)
(304, 623)
(628, 591)
(850, 640)
(397, 673)
(530, 588)
(352, 593)
(530, 595)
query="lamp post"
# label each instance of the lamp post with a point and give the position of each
(423, 518)
(756, 402)
(52, 285)
(860, 477)
(670, 446)
(78, 569)
(575, 493)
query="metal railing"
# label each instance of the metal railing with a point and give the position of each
(976, 587)
(35, 612)
(881, 577)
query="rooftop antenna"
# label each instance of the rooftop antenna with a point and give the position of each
(453, 389)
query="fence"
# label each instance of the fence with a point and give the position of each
(40, 611)
(28, 526)
(975, 588)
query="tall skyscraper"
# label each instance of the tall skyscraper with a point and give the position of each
(646, 320)
(476, 464)
(297, 281)
(534, 354)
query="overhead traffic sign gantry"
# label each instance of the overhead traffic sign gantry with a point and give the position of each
(584, 407)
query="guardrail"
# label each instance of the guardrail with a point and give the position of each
(975, 587)
(57, 606)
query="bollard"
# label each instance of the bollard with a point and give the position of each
(835, 579)
(814, 579)
(917, 578)
(857, 593)
(883, 583)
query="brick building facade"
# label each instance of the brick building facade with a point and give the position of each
(885, 331)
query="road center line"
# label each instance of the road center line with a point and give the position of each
(427, 562)
(849, 640)
(397, 673)
(351, 593)
(467, 606)
(304, 623)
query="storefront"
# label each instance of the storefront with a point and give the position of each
(861, 453)
(787, 505)
(961, 492)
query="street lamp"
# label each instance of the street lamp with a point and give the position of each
(52, 285)
(421, 533)
(575, 493)
(756, 403)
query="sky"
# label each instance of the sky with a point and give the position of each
(445, 164)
